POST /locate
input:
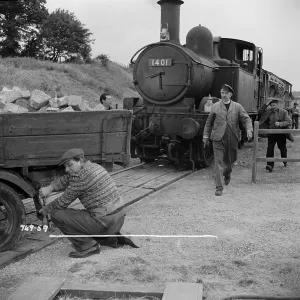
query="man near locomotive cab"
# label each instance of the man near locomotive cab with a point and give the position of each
(275, 118)
(222, 127)
(103, 214)
(105, 102)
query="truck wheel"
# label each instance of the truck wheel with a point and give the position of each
(12, 215)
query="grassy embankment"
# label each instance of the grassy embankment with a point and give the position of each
(86, 80)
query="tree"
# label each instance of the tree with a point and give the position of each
(63, 35)
(20, 22)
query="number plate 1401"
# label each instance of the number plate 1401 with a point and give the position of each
(160, 62)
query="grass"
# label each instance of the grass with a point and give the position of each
(86, 80)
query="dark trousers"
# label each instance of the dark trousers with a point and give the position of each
(295, 120)
(80, 222)
(223, 164)
(280, 139)
(225, 153)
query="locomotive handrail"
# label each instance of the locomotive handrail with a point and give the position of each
(131, 60)
(256, 159)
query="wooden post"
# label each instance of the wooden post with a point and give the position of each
(255, 151)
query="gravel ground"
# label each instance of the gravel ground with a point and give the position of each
(256, 252)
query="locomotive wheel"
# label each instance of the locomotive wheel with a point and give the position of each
(145, 158)
(12, 215)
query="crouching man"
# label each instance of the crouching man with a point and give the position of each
(103, 214)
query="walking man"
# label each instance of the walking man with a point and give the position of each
(222, 127)
(275, 118)
(295, 115)
(103, 214)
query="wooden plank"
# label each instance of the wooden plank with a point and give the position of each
(124, 189)
(155, 174)
(29, 205)
(161, 182)
(183, 290)
(278, 159)
(132, 177)
(130, 172)
(68, 123)
(7, 256)
(135, 195)
(41, 288)
(278, 131)
(50, 161)
(106, 292)
(31, 147)
(142, 172)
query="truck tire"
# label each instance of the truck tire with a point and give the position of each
(12, 216)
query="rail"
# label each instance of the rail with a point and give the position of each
(256, 159)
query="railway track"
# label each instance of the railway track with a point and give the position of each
(134, 184)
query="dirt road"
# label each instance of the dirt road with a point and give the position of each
(257, 249)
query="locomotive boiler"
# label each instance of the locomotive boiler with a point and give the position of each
(175, 82)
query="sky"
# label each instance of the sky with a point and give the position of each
(121, 27)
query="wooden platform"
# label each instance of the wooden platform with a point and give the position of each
(134, 184)
(48, 288)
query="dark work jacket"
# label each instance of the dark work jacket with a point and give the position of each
(267, 120)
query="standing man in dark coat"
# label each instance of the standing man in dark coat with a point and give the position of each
(222, 127)
(295, 115)
(275, 118)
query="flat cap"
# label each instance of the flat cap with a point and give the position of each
(228, 88)
(70, 154)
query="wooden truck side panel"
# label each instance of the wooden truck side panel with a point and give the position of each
(35, 139)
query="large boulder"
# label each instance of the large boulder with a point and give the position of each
(25, 94)
(99, 107)
(14, 92)
(38, 99)
(53, 102)
(10, 96)
(67, 109)
(52, 109)
(25, 103)
(63, 101)
(14, 108)
(76, 102)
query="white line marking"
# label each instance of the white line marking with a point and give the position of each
(135, 235)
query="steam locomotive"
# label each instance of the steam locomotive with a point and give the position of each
(175, 82)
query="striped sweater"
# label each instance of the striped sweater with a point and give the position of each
(92, 185)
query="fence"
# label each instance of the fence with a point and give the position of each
(269, 159)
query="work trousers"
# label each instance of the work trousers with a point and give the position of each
(280, 139)
(295, 120)
(80, 222)
(225, 153)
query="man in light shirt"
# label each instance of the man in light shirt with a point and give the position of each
(105, 102)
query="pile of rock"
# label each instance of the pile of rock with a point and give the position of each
(23, 101)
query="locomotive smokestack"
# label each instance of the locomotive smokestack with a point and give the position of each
(170, 18)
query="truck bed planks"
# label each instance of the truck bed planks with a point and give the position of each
(40, 288)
